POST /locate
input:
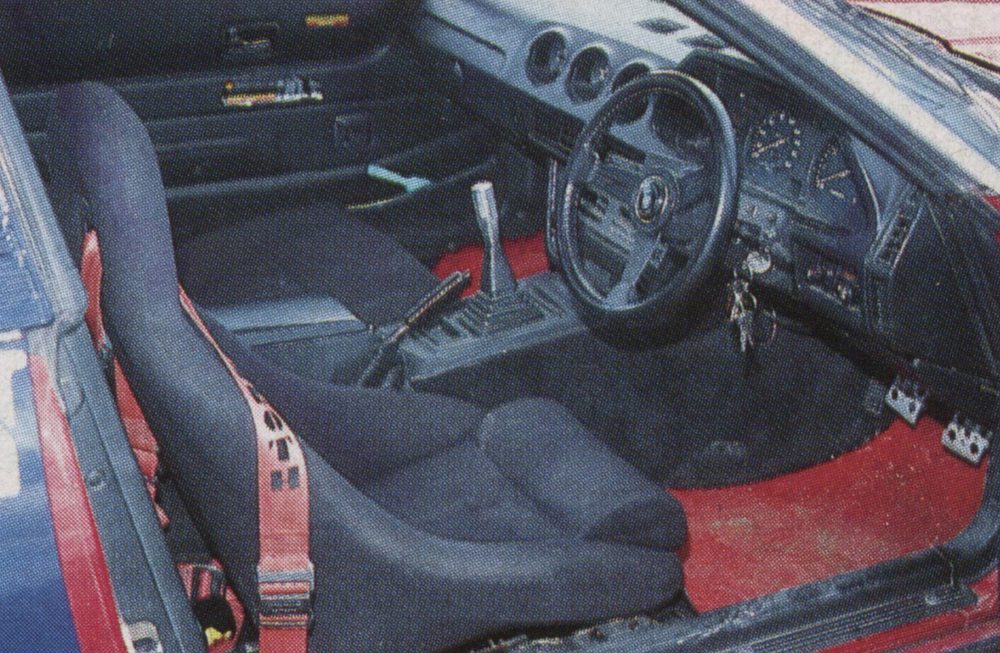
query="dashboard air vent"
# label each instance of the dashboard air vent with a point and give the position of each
(899, 232)
(663, 26)
(546, 58)
(705, 42)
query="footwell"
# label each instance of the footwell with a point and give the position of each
(899, 494)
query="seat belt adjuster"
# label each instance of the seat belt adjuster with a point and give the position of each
(286, 597)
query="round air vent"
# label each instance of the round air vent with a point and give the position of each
(588, 74)
(546, 58)
(637, 109)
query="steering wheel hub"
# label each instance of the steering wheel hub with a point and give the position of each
(652, 199)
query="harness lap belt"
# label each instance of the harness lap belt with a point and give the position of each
(285, 576)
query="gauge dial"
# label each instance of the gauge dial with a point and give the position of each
(683, 131)
(546, 57)
(776, 141)
(588, 74)
(834, 175)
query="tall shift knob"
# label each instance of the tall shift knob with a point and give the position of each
(498, 279)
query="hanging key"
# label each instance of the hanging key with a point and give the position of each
(744, 324)
(742, 312)
(738, 290)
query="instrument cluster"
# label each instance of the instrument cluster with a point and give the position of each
(811, 167)
(807, 198)
(801, 176)
(797, 159)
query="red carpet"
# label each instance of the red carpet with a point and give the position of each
(899, 494)
(527, 258)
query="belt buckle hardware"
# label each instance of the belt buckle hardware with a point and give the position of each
(281, 608)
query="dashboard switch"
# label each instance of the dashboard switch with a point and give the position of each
(832, 280)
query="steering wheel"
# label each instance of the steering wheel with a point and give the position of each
(641, 230)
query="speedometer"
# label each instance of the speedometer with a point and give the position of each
(839, 195)
(776, 141)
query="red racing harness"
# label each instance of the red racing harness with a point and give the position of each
(285, 576)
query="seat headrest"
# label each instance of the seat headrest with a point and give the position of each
(104, 174)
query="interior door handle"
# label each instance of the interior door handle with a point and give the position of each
(250, 42)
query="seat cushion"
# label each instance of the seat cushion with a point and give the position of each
(529, 469)
(316, 249)
(576, 479)
(480, 505)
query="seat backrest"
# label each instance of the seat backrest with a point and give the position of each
(105, 176)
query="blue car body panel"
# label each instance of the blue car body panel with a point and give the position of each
(36, 614)
(23, 303)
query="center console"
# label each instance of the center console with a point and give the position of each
(313, 336)
(319, 338)
(502, 316)
(464, 339)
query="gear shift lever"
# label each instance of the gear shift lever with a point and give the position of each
(499, 305)
(498, 279)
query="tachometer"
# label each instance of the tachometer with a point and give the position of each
(833, 174)
(776, 141)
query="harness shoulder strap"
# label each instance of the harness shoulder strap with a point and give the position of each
(285, 575)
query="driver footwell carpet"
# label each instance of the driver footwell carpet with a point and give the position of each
(898, 494)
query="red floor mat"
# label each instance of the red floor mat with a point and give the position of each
(527, 258)
(899, 494)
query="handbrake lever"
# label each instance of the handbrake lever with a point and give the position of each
(442, 295)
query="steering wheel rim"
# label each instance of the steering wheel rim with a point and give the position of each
(655, 198)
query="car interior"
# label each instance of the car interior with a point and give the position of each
(583, 321)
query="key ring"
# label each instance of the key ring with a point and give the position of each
(773, 316)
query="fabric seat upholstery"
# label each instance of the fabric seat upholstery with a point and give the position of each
(317, 249)
(433, 523)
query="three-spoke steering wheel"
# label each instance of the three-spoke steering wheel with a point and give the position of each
(640, 231)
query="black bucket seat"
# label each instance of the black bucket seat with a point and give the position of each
(433, 523)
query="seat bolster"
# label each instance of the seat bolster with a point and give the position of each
(366, 433)
(576, 480)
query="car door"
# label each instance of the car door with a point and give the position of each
(257, 104)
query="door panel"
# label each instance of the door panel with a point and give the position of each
(298, 118)
(43, 41)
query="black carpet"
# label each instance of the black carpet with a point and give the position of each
(697, 413)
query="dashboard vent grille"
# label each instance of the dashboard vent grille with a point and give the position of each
(663, 26)
(705, 42)
(902, 224)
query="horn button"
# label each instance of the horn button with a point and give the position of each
(652, 199)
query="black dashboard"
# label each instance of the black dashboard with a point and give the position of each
(848, 235)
